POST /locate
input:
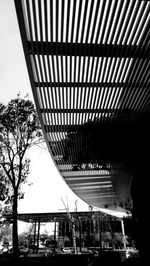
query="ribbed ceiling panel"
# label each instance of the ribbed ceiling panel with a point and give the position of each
(87, 60)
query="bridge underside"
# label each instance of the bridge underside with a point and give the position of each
(89, 68)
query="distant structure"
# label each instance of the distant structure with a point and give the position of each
(90, 228)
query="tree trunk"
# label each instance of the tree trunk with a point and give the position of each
(74, 238)
(15, 224)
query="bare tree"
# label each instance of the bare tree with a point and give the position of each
(72, 220)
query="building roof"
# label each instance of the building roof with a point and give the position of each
(62, 216)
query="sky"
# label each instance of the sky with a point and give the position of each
(48, 187)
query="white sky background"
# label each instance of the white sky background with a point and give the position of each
(48, 186)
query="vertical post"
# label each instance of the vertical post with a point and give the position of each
(60, 228)
(38, 235)
(94, 229)
(88, 232)
(54, 235)
(100, 237)
(65, 229)
(112, 233)
(90, 227)
(34, 236)
(74, 238)
(80, 232)
(123, 233)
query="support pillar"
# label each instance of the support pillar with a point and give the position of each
(100, 236)
(123, 233)
(80, 232)
(54, 236)
(38, 235)
(34, 240)
(74, 238)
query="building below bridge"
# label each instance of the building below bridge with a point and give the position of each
(92, 230)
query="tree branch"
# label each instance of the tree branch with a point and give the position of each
(8, 173)
(19, 174)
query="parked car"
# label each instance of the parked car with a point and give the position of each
(67, 250)
(23, 250)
